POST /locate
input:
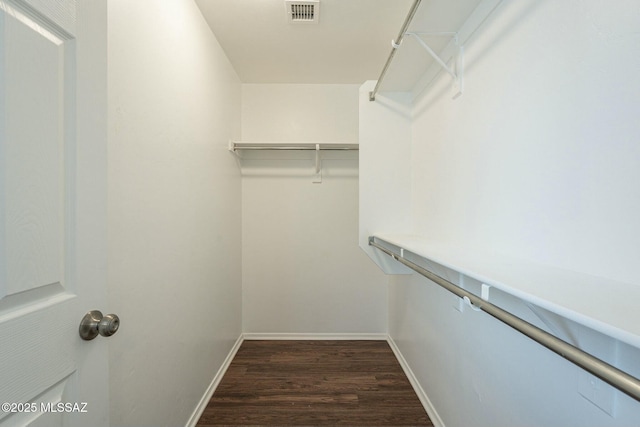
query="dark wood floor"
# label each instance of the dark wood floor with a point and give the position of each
(312, 383)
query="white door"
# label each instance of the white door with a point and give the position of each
(52, 211)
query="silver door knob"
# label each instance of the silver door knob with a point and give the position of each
(94, 323)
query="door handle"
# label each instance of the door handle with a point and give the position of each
(94, 323)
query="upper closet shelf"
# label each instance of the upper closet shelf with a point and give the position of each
(432, 39)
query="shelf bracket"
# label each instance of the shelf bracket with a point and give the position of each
(317, 179)
(458, 67)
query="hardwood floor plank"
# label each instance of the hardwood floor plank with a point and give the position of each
(312, 383)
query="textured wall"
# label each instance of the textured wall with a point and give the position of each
(174, 210)
(302, 269)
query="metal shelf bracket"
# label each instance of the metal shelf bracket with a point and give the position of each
(317, 179)
(457, 71)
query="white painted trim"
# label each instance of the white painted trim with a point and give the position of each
(424, 399)
(313, 336)
(197, 413)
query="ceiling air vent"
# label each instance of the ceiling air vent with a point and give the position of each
(303, 11)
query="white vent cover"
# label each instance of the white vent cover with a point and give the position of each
(303, 11)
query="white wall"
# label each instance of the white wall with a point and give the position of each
(538, 160)
(538, 157)
(174, 210)
(302, 269)
(385, 158)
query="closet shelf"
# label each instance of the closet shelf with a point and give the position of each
(441, 27)
(602, 304)
(237, 147)
(520, 276)
(310, 146)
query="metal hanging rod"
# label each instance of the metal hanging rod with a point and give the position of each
(395, 44)
(606, 372)
(312, 146)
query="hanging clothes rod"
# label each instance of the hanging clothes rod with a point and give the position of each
(395, 44)
(606, 372)
(312, 146)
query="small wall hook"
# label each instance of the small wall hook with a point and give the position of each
(467, 301)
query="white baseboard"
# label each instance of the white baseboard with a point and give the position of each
(426, 403)
(312, 336)
(197, 413)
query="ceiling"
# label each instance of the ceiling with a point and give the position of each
(350, 44)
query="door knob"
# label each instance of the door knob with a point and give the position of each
(94, 323)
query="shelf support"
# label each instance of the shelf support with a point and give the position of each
(457, 72)
(318, 177)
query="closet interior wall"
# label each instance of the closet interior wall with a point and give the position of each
(538, 160)
(302, 270)
(174, 251)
